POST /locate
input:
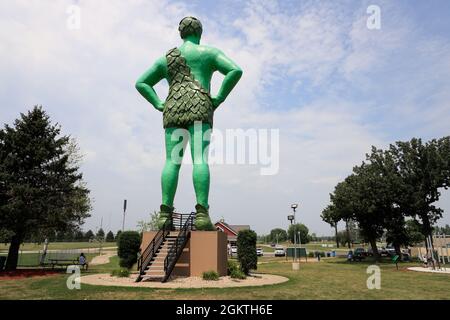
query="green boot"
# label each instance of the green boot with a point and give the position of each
(164, 214)
(202, 220)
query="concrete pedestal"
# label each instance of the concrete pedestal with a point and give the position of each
(204, 251)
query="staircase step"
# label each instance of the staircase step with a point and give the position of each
(152, 278)
(155, 270)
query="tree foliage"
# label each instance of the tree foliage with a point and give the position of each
(246, 250)
(89, 235)
(391, 188)
(278, 234)
(41, 189)
(100, 235)
(110, 237)
(150, 225)
(294, 229)
(128, 248)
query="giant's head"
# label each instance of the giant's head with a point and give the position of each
(190, 26)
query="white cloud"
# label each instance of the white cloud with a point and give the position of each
(85, 79)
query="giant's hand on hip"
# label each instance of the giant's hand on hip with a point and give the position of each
(216, 101)
(160, 106)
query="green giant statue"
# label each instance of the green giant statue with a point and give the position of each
(189, 105)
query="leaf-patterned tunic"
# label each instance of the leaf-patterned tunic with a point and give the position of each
(187, 101)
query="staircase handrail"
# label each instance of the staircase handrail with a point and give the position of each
(150, 252)
(177, 247)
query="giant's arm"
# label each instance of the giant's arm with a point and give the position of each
(151, 77)
(232, 74)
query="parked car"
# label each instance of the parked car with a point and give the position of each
(390, 251)
(272, 245)
(233, 250)
(383, 252)
(359, 254)
(259, 252)
(279, 252)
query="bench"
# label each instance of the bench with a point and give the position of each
(63, 262)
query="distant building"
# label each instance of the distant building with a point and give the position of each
(231, 230)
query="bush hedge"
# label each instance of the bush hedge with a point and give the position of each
(237, 274)
(246, 249)
(128, 248)
(232, 266)
(210, 275)
(121, 273)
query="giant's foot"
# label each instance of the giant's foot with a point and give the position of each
(202, 220)
(165, 214)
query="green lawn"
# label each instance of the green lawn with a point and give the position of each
(32, 259)
(329, 279)
(59, 246)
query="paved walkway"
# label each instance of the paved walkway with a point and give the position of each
(185, 282)
(103, 258)
(422, 269)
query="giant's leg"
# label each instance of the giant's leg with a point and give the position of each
(200, 134)
(175, 140)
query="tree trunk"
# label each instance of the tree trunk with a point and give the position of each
(13, 253)
(398, 251)
(336, 235)
(348, 234)
(373, 244)
(426, 227)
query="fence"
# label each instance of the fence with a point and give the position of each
(33, 258)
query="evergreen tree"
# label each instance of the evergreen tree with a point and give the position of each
(110, 237)
(40, 190)
(89, 235)
(118, 235)
(246, 250)
(100, 235)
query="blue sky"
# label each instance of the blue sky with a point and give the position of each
(312, 69)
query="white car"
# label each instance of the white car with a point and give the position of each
(279, 252)
(259, 252)
(233, 251)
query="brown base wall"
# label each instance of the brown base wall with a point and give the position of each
(204, 251)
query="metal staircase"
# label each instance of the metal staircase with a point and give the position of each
(158, 260)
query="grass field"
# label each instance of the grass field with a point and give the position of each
(58, 246)
(329, 279)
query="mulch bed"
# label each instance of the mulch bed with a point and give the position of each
(21, 274)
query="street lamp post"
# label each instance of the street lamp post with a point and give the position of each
(292, 219)
(294, 207)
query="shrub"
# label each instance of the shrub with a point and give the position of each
(210, 275)
(121, 273)
(232, 266)
(246, 248)
(310, 254)
(237, 274)
(128, 248)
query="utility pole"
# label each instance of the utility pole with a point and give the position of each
(101, 240)
(124, 211)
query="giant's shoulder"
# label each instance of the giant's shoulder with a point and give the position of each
(211, 51)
